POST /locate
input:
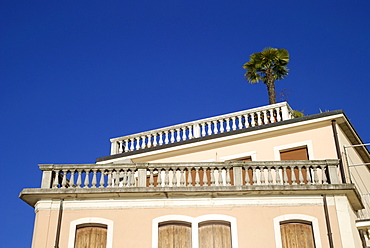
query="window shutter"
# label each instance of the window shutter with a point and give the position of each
(295, 154)
(297, 235)
(174, 235)
(91, 237)
(214, 235)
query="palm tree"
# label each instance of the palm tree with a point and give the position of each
(267, 67)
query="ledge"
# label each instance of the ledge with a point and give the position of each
(31, 196)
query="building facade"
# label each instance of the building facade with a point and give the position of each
(254, 178)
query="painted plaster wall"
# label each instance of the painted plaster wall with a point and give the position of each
(133, 226)
(320, 135)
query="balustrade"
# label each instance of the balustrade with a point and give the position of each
(216, 174)
(204, 127)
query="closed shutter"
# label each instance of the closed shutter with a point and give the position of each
(174, 235)
(91, 237)
(297, 235)
(214, 235)
(295, 154)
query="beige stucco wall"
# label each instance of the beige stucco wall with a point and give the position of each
(133, 226)
(263, 144)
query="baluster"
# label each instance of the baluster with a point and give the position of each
(182, 177)
(254, 176)
(166, 140)
(142, 142)
(174, 178)
(159, 180)
(212, 176)
(222, 129)
(278, 179)
(271, 112)
(125, 175)
(203, 129)
(132, 145)
(155, 140)
(215, 130)
(64, 179)
(278, 116)
(110, 181)
(247, 178)
(308, 175)
(262, 176)
(166, 177)
(86, 182)
(294, 179)
(78, 183)
(126, 146)
(132, 179)
(324, 178)
(240, 124)
(190, 179)
(151, 178)
(205, 178)
(209, 125)
(161, 138)
(285, 175)
(315, 176)
(56, 180)
(269, 176)
(137, 143)
(114, 178)
(300, 175)
(253, 119)
(233, 121)
(93, 182)
(149, 143)
(172, 135)
(197, 180)
(246, 123)
(259, 119)
(101, 182)
(120, 150)
(72, 179)
(190, 132)
(227, 124)
(178, 137)
(183, 133)
(220, 180)
(228, 180)
(265, 120)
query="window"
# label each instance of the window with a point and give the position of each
(295, 154)
(295, 151)
(172, 234)
(297, 234)
(92, 236)
(297, 231)
(207, 231)
(91, 232)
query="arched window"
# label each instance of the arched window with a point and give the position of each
(214, 234)
(92, 235)
(297, 234)
(174, 234)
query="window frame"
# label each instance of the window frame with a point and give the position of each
(296, 218)
(90, 221)
(194, 223)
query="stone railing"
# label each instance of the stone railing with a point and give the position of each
(214, 174)
(204, 127)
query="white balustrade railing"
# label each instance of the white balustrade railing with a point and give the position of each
(204, 127)
(220, 174)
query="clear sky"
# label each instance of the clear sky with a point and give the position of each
(74, 74)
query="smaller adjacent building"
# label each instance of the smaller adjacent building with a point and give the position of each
(254, 178)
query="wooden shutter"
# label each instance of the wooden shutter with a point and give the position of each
(297, 235)
(214, 235)
(91, 237)
(174, 235)
(295, 154)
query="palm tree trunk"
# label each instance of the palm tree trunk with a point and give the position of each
(270, 83)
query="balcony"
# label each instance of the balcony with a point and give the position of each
(201, 179)
(202, 128)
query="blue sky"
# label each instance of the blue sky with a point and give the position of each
(75, 73)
